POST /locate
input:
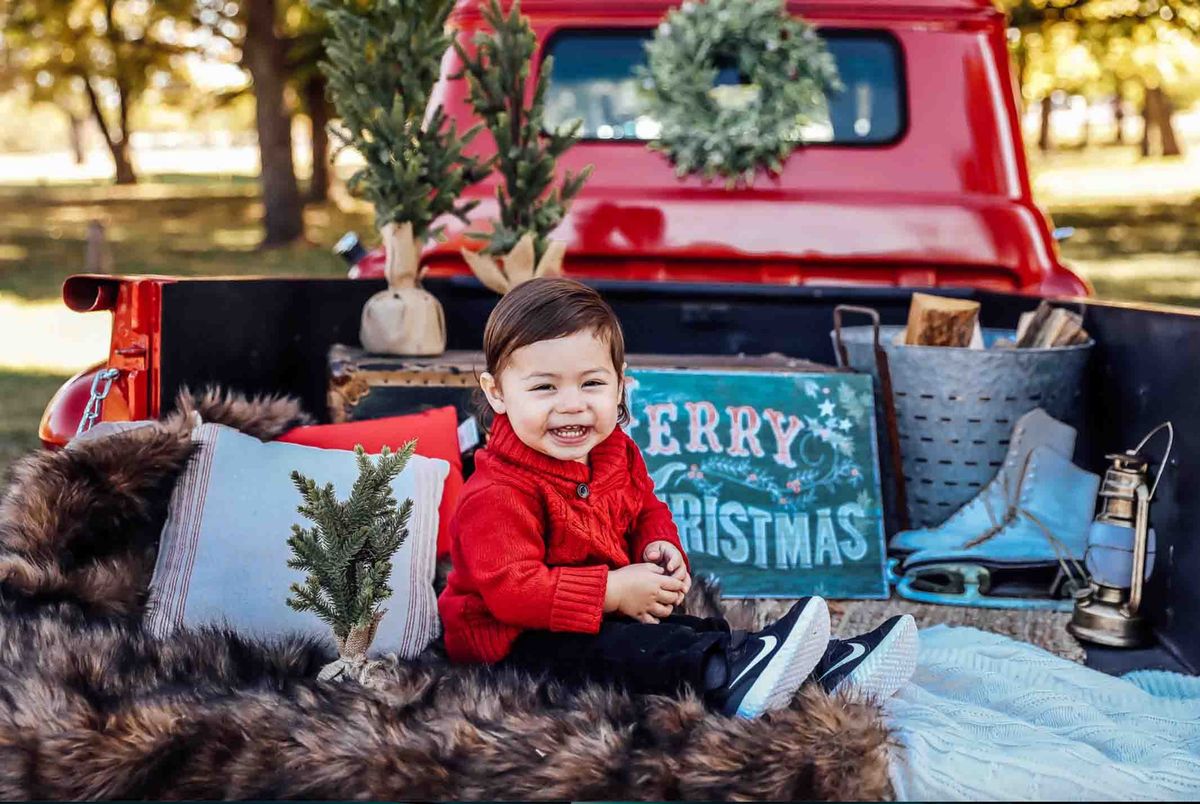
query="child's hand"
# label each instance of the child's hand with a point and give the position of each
(667, 556)
(642, 591)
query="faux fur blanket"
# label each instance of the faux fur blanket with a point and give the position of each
(92, 706)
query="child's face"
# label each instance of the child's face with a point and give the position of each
(561, 396)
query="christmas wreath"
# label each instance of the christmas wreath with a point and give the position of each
(734, 130)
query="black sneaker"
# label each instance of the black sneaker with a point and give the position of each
(871, 665)
(771, 664)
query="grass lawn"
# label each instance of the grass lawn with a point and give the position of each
(172, 226)
(23, 397)
(1137, 251)
(1144, 245)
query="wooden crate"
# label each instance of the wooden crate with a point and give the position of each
(371, 386)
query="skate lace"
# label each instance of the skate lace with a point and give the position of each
(1072, 569)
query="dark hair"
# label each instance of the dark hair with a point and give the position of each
(545, 309)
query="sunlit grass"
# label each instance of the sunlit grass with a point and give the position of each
(23, 397)
(155, 229)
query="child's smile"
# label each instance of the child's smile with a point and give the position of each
(570, 436)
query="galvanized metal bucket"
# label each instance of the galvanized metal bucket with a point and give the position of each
(954, 409)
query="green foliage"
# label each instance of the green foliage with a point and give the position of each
(497, 73)
(733, 132)
(1097, 47)
(348, 552)
(382, 60)
(95, 55)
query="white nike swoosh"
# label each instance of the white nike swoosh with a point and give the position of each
(856, 650)
(769, 643)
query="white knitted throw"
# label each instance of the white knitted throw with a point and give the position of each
(987, 717)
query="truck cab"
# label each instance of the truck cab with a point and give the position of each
(913, 175)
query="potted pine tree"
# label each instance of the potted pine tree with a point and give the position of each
(347, 554)
(382, 60)
(530, 207)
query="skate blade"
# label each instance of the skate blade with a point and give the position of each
(978, 586)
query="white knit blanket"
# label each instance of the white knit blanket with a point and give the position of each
(987, 717)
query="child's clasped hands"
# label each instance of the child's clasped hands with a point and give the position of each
(649, 591)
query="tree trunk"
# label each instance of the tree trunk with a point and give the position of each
(1119, 117)
(120, 155)
(1157, 125)
(1166, 125)
(118, 147)
(318, 114)
(1045, 143)
(263, 56)
(1019, 66)
(75, 135)
(1149, 99)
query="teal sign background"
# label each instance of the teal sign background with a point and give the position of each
(772, 477)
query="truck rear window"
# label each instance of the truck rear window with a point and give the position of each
(593, 79)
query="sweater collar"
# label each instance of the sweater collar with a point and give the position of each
(604, 461)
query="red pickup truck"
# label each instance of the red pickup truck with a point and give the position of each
(917, 179)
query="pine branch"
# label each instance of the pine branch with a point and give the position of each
(382, 61)
(496, 74)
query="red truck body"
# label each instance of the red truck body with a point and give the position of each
(944, 203)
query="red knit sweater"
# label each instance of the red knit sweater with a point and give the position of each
(534, 538)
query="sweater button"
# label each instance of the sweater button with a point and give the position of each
(583, 491)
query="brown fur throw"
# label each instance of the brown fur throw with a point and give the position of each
(91, 706)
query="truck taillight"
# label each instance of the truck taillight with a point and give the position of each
(88, 293)
(66, 407)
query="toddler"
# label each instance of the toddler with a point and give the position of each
(565, 561)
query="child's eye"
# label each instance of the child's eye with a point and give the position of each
(594, 383)
(542, 387)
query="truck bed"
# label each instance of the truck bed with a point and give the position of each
(272, 335)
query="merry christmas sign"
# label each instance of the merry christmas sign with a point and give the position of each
(772, 477)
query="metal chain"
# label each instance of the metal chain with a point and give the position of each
(92, 412)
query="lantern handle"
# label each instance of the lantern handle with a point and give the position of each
(1170, 428)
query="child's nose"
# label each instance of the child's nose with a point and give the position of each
(570, 401)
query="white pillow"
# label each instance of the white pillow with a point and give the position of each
(223, 554)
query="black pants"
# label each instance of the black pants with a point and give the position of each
(648, 658)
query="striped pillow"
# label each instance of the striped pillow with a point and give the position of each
(223, 554)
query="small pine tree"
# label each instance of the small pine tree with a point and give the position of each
(382, 60)
(526, 153)
(347, 553)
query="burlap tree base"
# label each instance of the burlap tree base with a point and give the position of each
(352, 663)
(405, 319)
(518, 265)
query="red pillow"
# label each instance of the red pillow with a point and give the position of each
(436, 432)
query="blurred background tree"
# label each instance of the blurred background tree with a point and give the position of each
(1142, 52)
(107, 51)
(278, 43)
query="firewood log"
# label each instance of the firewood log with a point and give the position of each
(940, 321)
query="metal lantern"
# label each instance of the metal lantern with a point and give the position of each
(1120, 552)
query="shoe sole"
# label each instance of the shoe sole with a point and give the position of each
(888, 667)
(791, 665)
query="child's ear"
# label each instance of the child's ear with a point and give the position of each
(491, 390)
